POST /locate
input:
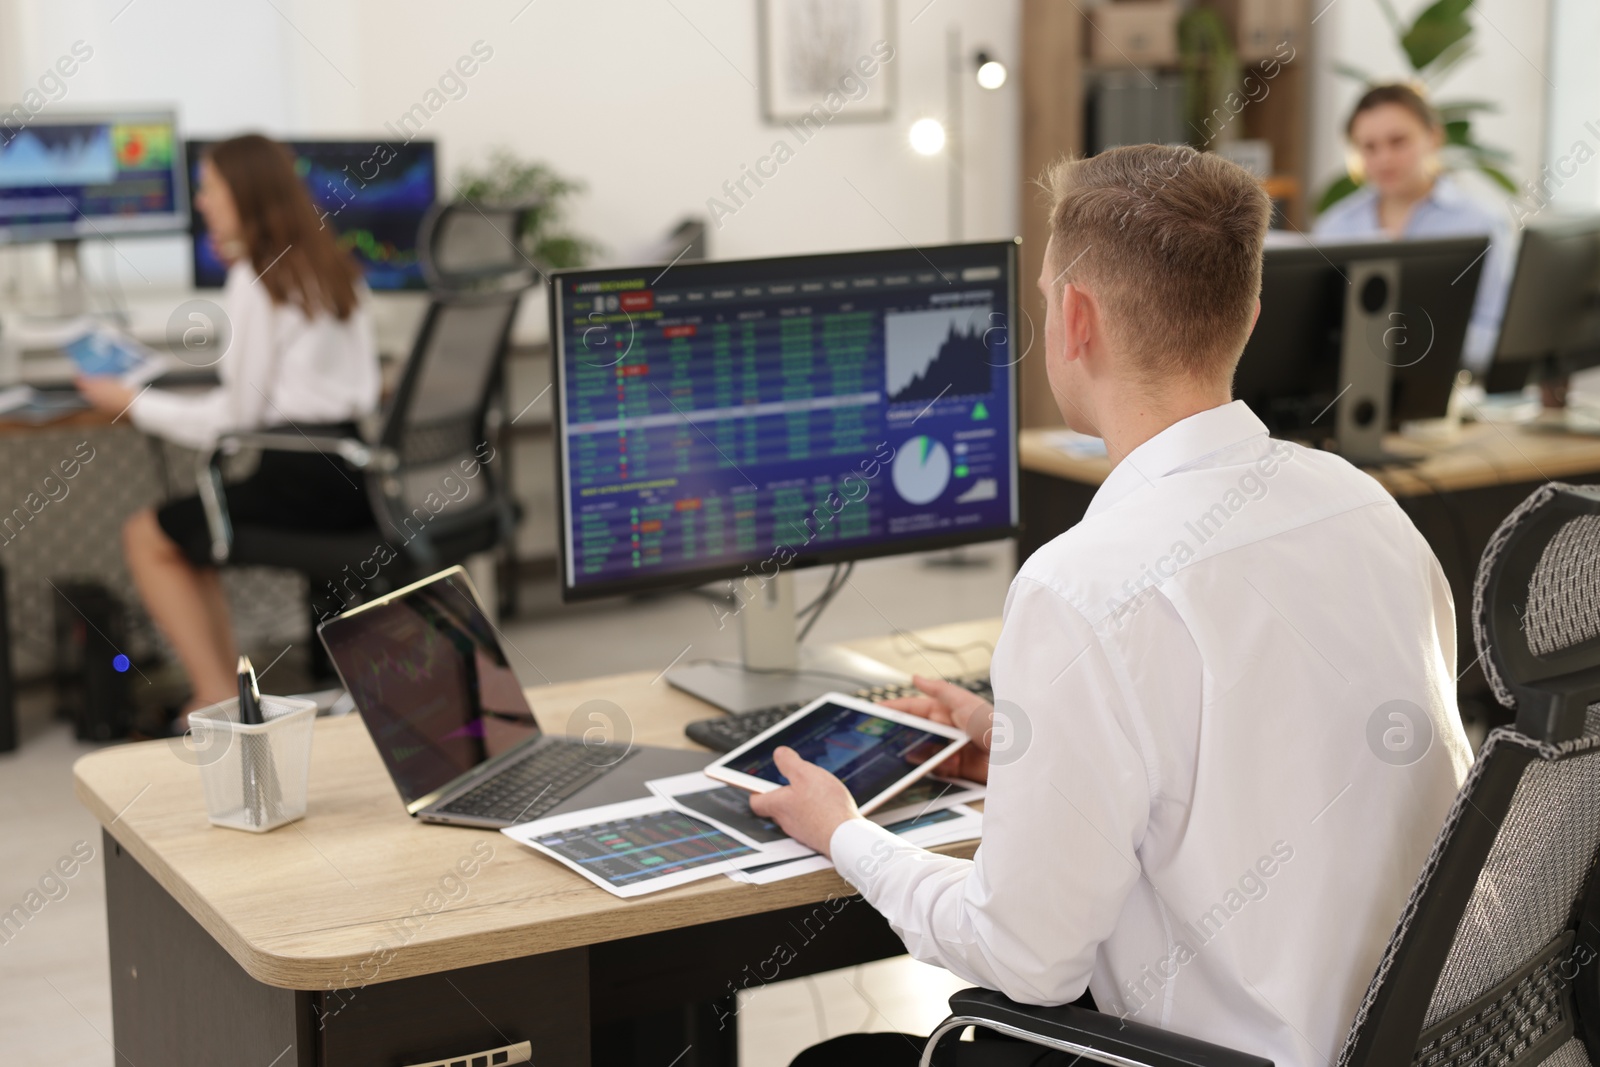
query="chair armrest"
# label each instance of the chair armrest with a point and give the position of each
(1096, 1037)
(208, 475)
(355, 452)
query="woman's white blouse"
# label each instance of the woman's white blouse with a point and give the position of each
(280, 367)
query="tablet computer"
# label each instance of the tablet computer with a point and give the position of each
(874, 750)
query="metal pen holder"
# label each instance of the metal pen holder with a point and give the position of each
(254, 775)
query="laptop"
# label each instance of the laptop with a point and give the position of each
(427, 673)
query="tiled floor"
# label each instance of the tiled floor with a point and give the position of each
(54, 994)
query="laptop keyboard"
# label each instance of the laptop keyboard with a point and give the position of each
(731, 731)
(532, 786)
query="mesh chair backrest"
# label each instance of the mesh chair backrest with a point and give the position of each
(1536, 610)
(435, 423)
(1493, 959)
(468, 247)
(1481, 968)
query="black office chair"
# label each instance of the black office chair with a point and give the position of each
(434, 428)
(1493, 961)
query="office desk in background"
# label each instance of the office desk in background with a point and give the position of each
(228, 947)
(1456, 495)
(60, 530)
(131, 471)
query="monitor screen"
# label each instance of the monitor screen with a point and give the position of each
(732, 418)
(373, 194)
(92, 175)
(430, 680)
(1553, 307)
(1290, 371)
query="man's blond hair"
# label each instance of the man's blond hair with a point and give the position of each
(1169, 240)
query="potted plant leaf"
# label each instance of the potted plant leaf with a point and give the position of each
(543, 236)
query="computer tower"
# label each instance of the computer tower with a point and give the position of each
(91, 690)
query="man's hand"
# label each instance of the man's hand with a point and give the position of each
(965, 710)
(106, 394)
(811, 807)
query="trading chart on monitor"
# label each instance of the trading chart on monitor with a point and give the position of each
(90, 177)
(722, 415)
(373, 196)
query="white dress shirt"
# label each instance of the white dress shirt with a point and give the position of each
(1227, 739)
(279, 367)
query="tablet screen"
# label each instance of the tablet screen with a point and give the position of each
(866, 752)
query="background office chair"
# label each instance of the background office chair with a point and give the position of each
(433, 440)
(1493, 961)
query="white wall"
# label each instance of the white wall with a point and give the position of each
(645, 100)
(1511, 67)
(1574, 104)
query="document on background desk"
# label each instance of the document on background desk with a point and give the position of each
(637, 846)
(24, 403)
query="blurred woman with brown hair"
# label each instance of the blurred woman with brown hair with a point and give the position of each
(1405, 195)
(301, 355)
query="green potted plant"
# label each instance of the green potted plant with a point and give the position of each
(1434, 42)
(1210, 74)
(543, 236)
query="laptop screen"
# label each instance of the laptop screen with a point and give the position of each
(430, 681)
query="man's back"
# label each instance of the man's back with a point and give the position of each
(1287, 682)
(1224, 735)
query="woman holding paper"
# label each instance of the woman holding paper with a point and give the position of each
(301, 354)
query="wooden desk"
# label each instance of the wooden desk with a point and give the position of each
(1457, 494)
(354, 937)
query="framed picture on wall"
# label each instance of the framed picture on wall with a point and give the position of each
(837, 55)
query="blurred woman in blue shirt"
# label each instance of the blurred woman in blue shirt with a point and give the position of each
(1398, 135)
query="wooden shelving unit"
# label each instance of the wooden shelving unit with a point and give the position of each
(1055, 80)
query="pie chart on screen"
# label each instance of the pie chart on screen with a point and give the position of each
(921, 470)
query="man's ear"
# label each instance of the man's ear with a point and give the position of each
(1256, 317)
(1079, 320)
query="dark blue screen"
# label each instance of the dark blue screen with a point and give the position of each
(722, 416)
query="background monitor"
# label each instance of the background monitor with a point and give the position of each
(1290, 372)
(372, 193)
(1551, 325)
(92, 174)
(729, 418)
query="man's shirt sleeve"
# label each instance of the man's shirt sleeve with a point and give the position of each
(1068, 801)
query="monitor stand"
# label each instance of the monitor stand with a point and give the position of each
(69, 296)
(776, 669)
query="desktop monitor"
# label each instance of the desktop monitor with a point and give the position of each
(1338, 316)
(92, 174)
(374, 195)
(707, 413)
(1551, 325)
(741, 419)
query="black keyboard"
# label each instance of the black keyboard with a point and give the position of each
(532, 786)
(730, 731)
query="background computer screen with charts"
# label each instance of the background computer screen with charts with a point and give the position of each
(759, 414)
(373, 195)
(91, 176)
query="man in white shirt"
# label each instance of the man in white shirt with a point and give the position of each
(1227, 694)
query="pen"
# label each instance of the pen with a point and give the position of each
(262, 799)
(249, 694)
